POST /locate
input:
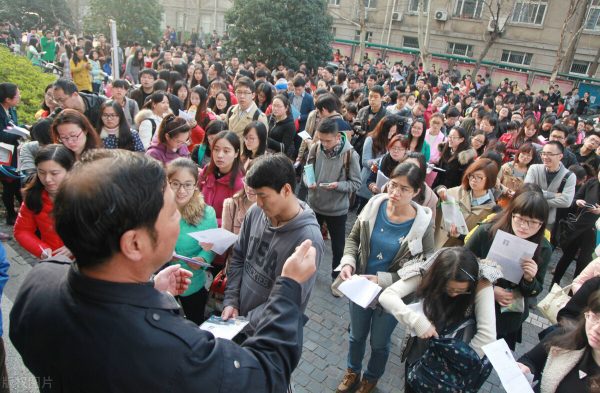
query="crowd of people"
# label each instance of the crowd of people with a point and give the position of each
(118, 172)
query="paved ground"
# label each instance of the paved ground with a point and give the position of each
(325, 335)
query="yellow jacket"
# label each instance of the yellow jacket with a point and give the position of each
(81, 75)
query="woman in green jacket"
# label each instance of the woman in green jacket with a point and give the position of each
(525, 217)
(196, 216)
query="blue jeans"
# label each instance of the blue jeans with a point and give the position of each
(381, 325)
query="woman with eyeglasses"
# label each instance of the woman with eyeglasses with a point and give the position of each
(526, 217)
(172, 140)
(255, 142)
(390, 230)
(222, 178)
(512, 174)
(196, 215)
(475, 199)
(416, 138)
(282, 130)
(452, 288)
(48, 105)
(222, 104)
(570, 361)
(456, 155)
(114, 129)
(34, 228)
(75, 132)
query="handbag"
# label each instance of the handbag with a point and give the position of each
(554, 301)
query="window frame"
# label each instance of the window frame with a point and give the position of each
(410, 37)
(460, 15)
(587, 68)
(595, 6)
(451, 49)
(511, 53)
(416, 3)
(515, 17)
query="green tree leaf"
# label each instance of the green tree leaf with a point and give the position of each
(280, 32)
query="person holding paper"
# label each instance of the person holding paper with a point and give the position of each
(390, 230)
(396, 151)
(107, 305)
(52, 163)
(525, 217)
(455, 287)
(569, 362)
(271, 231)
(474, 198)
(10, 97)
(456, 155)
(196, 215)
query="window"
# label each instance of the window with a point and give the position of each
(369, 3)
(579, 67)
(468, 9)
(333, 2)
(413, 5)
(521, 58)
(529, 11)
(593, 18)
(410, 42)
(454, 48)
(357, 36)
(333, 31)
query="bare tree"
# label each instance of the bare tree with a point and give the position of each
(424, 19)
(359, 19)
(499, 11)
(568, 30)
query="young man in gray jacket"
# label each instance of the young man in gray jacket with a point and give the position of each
(337, 175)
(556, 182)
(272, 229)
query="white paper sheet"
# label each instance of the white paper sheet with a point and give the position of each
(381, 180)
(508, 250)
(360, 290)
(220, 238)
(451, 214)
(186, 116)
(16, 130)
(223, 329)
(304, 135)
(504, 363)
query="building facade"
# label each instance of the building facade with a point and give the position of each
(190, 16)
(531, 30)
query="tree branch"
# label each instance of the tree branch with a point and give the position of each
(344, 18)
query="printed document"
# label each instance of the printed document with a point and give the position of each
(381, 180)
(451, 214)
(220, 238)
(360, 290)
(504, 363)
(508, 250)
(224, 329)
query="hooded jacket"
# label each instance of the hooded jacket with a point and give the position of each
(159, 151)
(329, 170)
(145, 128)
(258, 257)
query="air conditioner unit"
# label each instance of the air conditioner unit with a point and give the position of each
(441, 15)
(397, 16)
(501, 23)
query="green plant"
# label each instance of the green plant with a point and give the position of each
(31, 82)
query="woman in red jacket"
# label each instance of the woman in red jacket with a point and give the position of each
(222, 178)
(35, 215)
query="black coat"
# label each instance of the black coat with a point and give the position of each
(281, 135)
(92, 107)
(78, 334)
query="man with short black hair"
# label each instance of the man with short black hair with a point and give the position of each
(273, 228)
(410, 115)
(130, 106)
(556, 181)
(586, 152)
(337, 175)
(302, 101)
(147, 78)
(67, 96)
(119, 328)
(559, 133)
(245, 111)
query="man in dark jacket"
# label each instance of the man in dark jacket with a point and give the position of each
(302, 101)
(147, 78)
(101, 324)
(68, 96)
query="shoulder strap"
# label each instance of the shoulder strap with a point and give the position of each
(347, 160)
(563, 182)
(312, 154)
(229, 113)
(256, 115)
(153, 126)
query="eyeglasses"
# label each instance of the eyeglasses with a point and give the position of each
(476, 178)
(397, 150)
(527, 223)
(392, 186)
(547, 154)
(454, 138)
(70, 138)
(592, 318)
(243, 93)
(175, 186)
(109, 117)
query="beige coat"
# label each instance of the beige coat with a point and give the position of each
(473, 216)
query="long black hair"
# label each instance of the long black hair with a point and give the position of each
(236, 168)
(261, 134)
(125, 139)
(453, 264)
(32, 192)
